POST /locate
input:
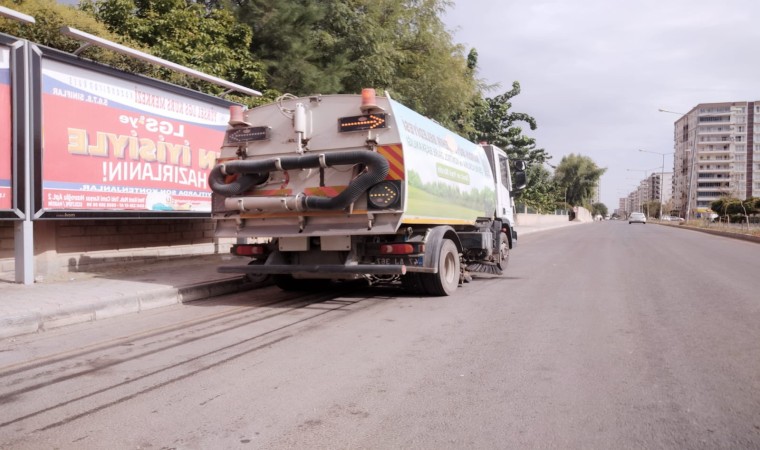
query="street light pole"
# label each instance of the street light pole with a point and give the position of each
(662, 175)
(691, 177)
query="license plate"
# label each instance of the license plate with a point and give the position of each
(396, 261)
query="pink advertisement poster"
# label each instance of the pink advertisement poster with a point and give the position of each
(111, 144)
(5, 130)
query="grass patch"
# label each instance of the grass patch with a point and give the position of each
(422, 203)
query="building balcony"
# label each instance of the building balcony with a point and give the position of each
(725, 174)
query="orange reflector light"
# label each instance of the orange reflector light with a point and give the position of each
(248, 250)
(236, 115)
(396, 249)
(368, 99)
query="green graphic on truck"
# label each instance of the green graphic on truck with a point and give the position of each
(449, 177)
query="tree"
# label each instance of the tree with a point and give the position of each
(599, 209)
(184, 32)
(496, 124)
(50, 16)
(192, 34)
(580, 175)
(433, 76)
(342, 46)
(731, 206)
(541, 193)
(290, 39)
(651, 208)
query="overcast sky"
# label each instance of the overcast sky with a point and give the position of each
(594, 73)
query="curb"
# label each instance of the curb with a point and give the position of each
(728, 234)
(58, 316)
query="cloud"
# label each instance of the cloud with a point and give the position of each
(595, 72)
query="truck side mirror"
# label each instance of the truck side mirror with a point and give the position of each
(520, 180)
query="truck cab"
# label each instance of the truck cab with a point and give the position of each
(505, 189)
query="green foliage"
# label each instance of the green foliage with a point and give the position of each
(651, 208)
(541, 193)
(580, 175)
(495, 123)
(180, 31)
(731, 206)
(288, 37)
(599, 209)
(342, 46)
(50, 16)
(209, 40)
(753, 204)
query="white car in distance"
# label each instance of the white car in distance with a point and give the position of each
(637, 217)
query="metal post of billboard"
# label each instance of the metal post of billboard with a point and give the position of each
(23, 236)
(24, 229)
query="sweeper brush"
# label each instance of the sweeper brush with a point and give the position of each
(491, 269)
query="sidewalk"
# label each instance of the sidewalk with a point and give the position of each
(85, 296)
(77, 297)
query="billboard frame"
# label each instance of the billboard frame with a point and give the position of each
(40, 53)
(19, 115)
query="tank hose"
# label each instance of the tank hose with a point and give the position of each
(257, 172)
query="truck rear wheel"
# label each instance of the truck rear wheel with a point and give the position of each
(412, 283)
(258, 279)
(444, 282)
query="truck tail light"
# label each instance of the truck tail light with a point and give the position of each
(248, 249)
(401, 249)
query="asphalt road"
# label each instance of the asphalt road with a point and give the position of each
(604, 335)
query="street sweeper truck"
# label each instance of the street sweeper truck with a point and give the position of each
(343, 187)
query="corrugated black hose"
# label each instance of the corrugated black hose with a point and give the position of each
(256, 172)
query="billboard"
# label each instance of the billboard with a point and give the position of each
(6, 127)
(120, 145)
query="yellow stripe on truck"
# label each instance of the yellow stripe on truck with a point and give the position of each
(424, 220)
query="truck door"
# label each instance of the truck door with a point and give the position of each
(503, 186)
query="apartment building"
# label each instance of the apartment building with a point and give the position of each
(654, 188)
(658, 187)
(717, 154)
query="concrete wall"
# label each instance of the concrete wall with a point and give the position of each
(582, 214)
(539, 220)
(91, 245)
(547, 220)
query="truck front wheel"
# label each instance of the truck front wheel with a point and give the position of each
(503, 253)
(444, 282)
